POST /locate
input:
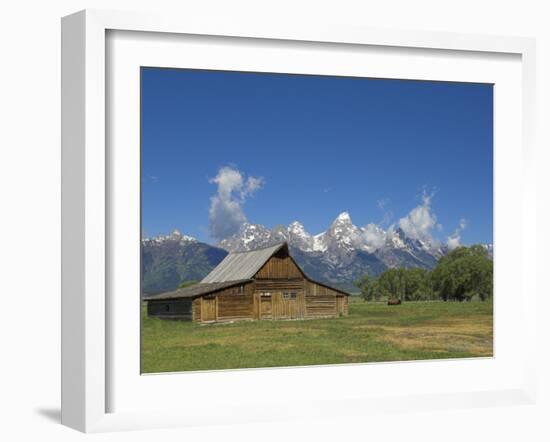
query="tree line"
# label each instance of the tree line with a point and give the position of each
(464, 274)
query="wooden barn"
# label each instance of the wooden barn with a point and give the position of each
(260, 284)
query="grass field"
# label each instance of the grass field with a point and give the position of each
(372, 332)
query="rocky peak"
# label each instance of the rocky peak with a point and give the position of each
(297, 228)
(174, 236)
(343, 218)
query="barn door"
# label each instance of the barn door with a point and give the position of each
(208, 309)
(290, 301)
(284, 305)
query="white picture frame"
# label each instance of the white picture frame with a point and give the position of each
(86, 205)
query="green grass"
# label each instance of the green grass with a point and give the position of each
(372, 332)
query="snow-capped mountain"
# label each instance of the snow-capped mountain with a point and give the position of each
(175, 236)
(168, 260)
(338, 256)
(344, 251)
(393, 247)
(250, 237)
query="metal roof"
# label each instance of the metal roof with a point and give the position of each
(196, 290)
(241, 265)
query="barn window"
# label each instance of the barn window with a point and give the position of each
(167, 307)
(289, 295)
(266, 295)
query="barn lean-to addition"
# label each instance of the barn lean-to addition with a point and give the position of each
(261, 284)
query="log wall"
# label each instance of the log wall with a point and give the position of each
(346, 305)
(279, 305)
(232, 304)
(321, 301)
(279, 285)
(342, 305)
(170, 309)
(197, 309)
(313, 301)
(264, 299)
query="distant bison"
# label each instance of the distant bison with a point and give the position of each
(394, 301)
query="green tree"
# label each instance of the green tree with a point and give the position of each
(391, 284)
(364, 284)
(187, 283)
(464, 274)
(418, 285)
(375, 292)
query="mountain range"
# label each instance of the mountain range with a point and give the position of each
(167, 261)
(337, 256)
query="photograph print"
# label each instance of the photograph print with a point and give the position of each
(297, 220)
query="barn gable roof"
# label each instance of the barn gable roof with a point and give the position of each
(242, 265)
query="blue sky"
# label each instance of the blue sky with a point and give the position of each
(310, 147)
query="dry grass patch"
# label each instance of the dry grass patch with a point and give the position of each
(452, 336)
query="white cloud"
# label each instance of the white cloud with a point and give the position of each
(226, 213)
(420, 221)
(455, 240)
(373, 236)
(252, 185)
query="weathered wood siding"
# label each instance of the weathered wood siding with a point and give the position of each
(287, 299)
(171, 309)
(279, 285)
(197, 309)
(279, 305)
(208, 308)
(288, 308)
(231, 304)
(279, 266)
(342, 305)
(279, 275)
(312, 300)
(266, 307)
(321, 301)
(235, 307)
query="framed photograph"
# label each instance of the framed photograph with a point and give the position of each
(294, 222)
